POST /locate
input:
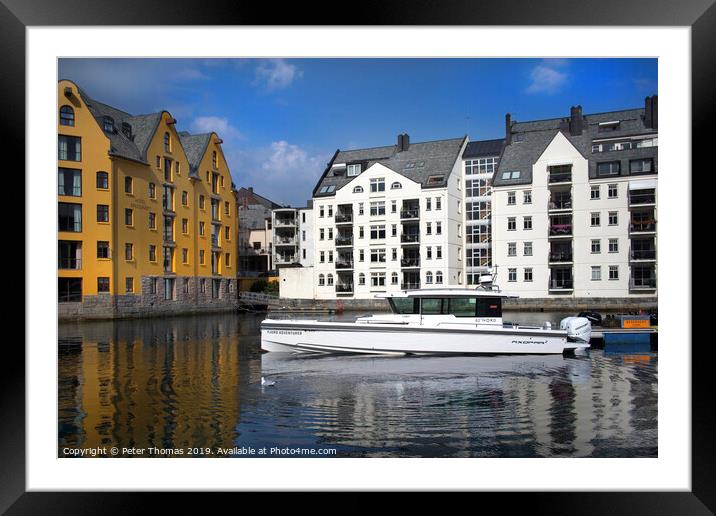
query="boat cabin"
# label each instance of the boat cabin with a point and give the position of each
(478, 303)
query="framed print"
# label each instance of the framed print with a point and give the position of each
(444, 151)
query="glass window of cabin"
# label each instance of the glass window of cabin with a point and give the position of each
(489, 307)
(462, 306)
(404, 305)
(433, 306)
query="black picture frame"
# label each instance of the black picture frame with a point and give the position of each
(700, 15)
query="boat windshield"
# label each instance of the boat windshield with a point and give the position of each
(457, 306)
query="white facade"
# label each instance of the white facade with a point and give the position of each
(564, 240)
(292, 236)
(388, 238)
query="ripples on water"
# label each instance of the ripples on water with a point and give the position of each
(195, 381)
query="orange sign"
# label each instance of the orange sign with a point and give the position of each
(635, 323)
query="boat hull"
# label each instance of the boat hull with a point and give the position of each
(395, 339)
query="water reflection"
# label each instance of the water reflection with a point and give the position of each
(195, 381)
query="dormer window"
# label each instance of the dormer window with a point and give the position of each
(358, 189)
(127, 130)
(353, 170)
(67, 116)
(108, 124)
(511, 175)
(435, 180)
(327, 189)
(396, 186)
(612, 125)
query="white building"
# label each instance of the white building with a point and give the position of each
(386, 219)
(292, 237)
(480, 161)
(574, 205)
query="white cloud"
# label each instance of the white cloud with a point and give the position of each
(275, 74)
(546, 78)
(220, 125)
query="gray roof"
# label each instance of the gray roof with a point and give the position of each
(418, 162)
(194, 147)
(483, 148)
(244, 193)
(530, 139)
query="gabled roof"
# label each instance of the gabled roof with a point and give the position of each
(195, 146)
(530, 139)
(418, 162)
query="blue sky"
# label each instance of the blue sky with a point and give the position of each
(282, 120)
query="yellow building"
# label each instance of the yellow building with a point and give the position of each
(147, 215)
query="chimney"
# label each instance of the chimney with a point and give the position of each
(403, 142)
(400, 142)
(651, 112)
(508, 129)
(575, 121)
(251, 189)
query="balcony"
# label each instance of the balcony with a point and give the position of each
(409, 262)
(643, 254)
(642, 226)
(560, 230)
(285, 242)
(69, 263)
(642, 283)
(343, 218)
(343, 241)
(642, 198)
(285, 259)
(410, 238)
(561, 284)
(344, 264)
(410, 285)
(344, 288)
(410, 213)
(285, 223)
(560, 176)
(560, 257)
(560, 203)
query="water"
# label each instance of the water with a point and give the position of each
(193, 384)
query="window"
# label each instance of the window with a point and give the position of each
(393, 206)
(323, 256)
(511, 249)
(459, 207)
(428, 279)
(227, 259)
(439, 277)
(358, 189)
(152, 253)
(69, 217)
(528, 275)
(202, 229)
(69, 182)
(606, 127)
(69, 254)
(377, 279)
(185, 226)
(69, 290)
(202, 285)
(428, 228)
(128, 252)
(360, 231)
(594, 194)
(394, 230)
(613, 245)
(128, 217)
(609, 168)
(377, 255)
(613, 191)
(527, 251)
(596, 273)
(361, 256)
(394, 254)
(102, 213)
(159, 162)
(102, 181)
(168, 170)
(330, 211)
(527, 197)
(641, 166)
(185, 256)
(377, 232)
(613, 218)
(201, 202)
(477, 210)
(511, 274)
(167, 143)
(69, 148)
(613, 272)
(108, 124)
(353, 170)
(214, 160)
(102, 249)
(511, 223)
(128, 185)
(168, 289)
(330, 256)
(227, 233)
(201, 258)
(428, 204)
(511, 198)
(438, 252)
(184, 198)
(527, 223)
(103, 284)
(396, 186)
(185, 287)
(330, 280)
(377, 185)
(129, 285)
(394, 278)
(377, 208)
(595, 219)
(228, 212)
(429, 253)
(152, 191)
(152, 220)
(320, 211)
(596, 246)
(439, 228)
(67, 116)
(361, 279)
(322, 234)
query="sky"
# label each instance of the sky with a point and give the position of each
(283, 119)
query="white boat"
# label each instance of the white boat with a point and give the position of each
(429, 321)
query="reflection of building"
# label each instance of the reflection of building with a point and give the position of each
(574, 205)
(255, 232)
(147, 215)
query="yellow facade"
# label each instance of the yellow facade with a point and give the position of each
(152, 202)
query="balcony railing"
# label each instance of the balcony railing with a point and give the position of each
(344, 241)
(70, 263)
(409, 213)
(285, 258)
(214, 241)
(410, 262)
(560, 256)
(560, 204)
(643, 254)
(344, 264)
(285, 241)
(560, 230)
(410, 285)
(410, 238)
(642, 283)
(561, 284)
(344, 288)
(645, 226)
(560, 177)
(285, 222)
(343, 217)
(636, 199)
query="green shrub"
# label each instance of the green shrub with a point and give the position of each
(258, 286)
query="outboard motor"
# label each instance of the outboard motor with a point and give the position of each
(579, 329)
